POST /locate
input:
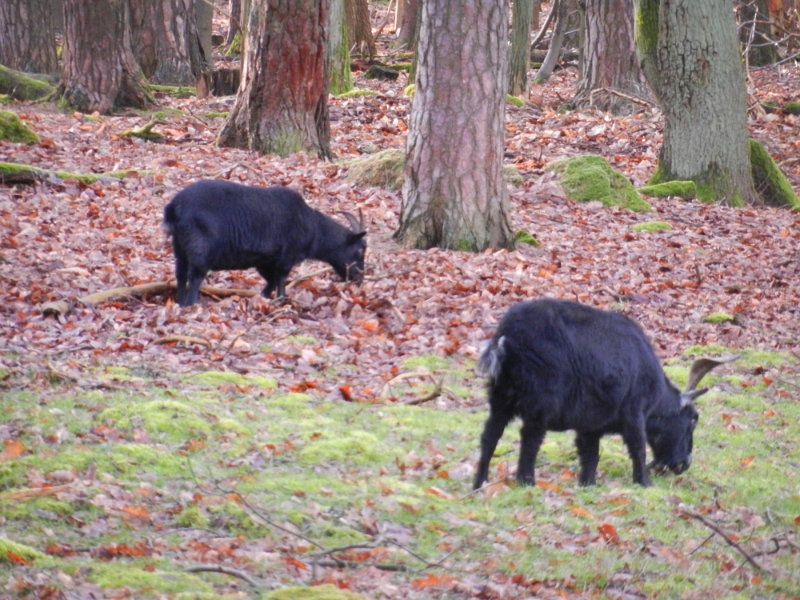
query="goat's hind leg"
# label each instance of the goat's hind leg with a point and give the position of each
(588, 445)
(531, 436)
(492, 432)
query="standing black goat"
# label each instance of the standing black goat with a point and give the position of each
(220, 226)
(561, 365)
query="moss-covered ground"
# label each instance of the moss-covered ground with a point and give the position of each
(120, 485)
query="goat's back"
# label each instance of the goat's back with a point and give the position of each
(233, 223)
(574, 366)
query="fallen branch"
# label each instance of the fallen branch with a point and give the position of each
(156, 288)
(226, 571)
(727, 539)
(354, 564)
(182, 338)
(35, 492)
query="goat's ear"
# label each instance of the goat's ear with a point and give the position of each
(354, 237)
(691, 395)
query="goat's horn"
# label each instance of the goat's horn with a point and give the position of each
(355, 224)
(702, 366)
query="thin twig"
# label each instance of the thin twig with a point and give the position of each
(226, 570)
(354, 564)
(727, 539)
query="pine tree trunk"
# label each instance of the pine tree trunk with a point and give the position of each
(408, 31)
(519, 55)
(696, 74)
(181, 60)
(235, 21)
(28, 36)
(454, 195)
(609, 58)
(282, 104)
(340, 79)
(99, 71)
(359, 29)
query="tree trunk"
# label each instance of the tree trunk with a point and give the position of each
(282, 104)
(340, 79)
(609, 58)
(454, 195)
(696, 73)
(519, 56)
(359, 29)
(99, 72)
(204, 19)
(234, 21)
(165, 41)
(755, 33)
(408, 33)
(556, 42)
(28, 36)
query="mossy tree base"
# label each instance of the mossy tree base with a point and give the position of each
(14, 130)
(771, 186)
(24, 86)
(589, 177)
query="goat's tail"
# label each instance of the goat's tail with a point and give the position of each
(491, 357)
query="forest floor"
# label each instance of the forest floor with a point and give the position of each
(369, 390)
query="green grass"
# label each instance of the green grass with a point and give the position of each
(221, 456)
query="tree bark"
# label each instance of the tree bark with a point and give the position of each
(519, 56)
(99, 72)
(165, 41)
(609, 58)
(359, 29)
(694, 68)
(340, 78)
(454, 195)
(407, 35)
(234, 22)
(282, 104)
(28, 36)
(556, 42)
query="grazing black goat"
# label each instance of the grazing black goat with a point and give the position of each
(561, 365)
(220, 226)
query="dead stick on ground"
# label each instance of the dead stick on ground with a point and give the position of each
(182, 338)
(226, 570)
(35, 492)
(728, 540)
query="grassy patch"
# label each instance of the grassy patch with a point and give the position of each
(160, 477)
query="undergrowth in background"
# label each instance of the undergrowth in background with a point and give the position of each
(139, 478)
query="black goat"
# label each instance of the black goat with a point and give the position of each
(220, 226)
(561, 365)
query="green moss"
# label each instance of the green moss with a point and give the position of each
(235, 519)
(679, 189)
(25, 552)
(512, 175)
(587, 178)
(773, 187)
(6, 99)
(191, 517)
(173, 420)
(24, 86)
(9, 170)
(14, 130)
(146, 582)
(518, 102)
(216, 114)
(651, 226)
(358, 94)
(382, 169)
(718, 317)
(526, 238)
(321, 592)
(431, 362)
(408, 91)
(173, 90)
(235, 48)
(302, 339)
(358, 447)
(218, 378)
(792, 108)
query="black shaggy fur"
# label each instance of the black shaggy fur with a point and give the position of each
(220, 226)
(560, 365)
